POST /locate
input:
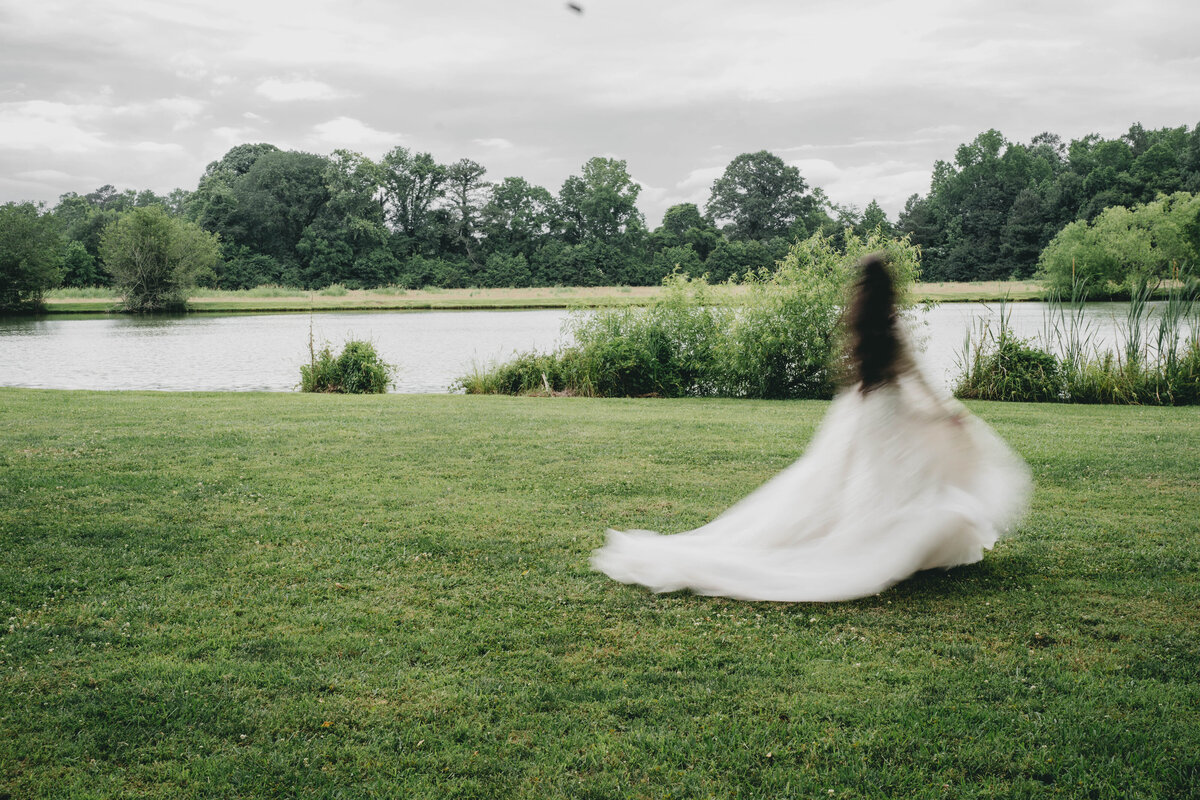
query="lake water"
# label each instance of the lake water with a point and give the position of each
(263, 352)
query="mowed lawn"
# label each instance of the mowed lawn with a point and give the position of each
(284, 595)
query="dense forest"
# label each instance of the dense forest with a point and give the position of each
(300, 219)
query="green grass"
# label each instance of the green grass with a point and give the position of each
(285, 595)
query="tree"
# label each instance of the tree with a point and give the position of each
(276, 200)
(601, 205)
(78, 266)
(506, 270)
(412, 186)
(517, 218)
(758, 197)
(465, 187)
(1025, 233)
(29, 255)
(237, 161)
(1124, 245)
(683, 225)
(875, 217)
(155, 259)
(347, 242)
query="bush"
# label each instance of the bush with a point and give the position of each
(358, 369)
(1012, 370)
(779, 344)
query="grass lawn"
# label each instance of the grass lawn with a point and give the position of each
(276, 299)
(284, 595)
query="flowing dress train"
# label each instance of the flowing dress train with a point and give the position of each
(896, 480)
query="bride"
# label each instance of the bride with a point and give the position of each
(899, 478)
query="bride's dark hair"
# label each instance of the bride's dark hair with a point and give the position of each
(871, 325)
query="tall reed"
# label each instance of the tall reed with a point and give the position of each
(1156, 361)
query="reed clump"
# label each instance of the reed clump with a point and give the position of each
(358, 369)
(1156, 362)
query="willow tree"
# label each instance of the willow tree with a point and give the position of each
(155, 259)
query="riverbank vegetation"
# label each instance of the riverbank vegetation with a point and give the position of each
(304, 220)
(1156, 363)
(358, 369)
(779, 342)
(91, 300)
(296, 595)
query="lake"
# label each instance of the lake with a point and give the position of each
(263, 352)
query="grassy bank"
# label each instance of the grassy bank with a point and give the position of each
(276, 299)
(264, 595)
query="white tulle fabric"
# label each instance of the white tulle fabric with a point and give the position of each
(896, 480)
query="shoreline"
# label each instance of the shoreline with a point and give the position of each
(245, 302)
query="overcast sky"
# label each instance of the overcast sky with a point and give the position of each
(862, 96)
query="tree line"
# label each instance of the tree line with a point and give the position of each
(992, 211)
(262, 215)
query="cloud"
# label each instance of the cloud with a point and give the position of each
(157, 147)
(48, 175)
(867, 97)
(290, 91)
(353, 134)
(494, 144)
(888, 182)
(43, 125)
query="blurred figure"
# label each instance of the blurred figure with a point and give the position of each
(899, 478)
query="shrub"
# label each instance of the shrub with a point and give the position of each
(156, 259)
(779, 344)
(358, 369)
(1012, 370)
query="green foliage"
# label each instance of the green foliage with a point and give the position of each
(78, 266)
(506, 270)
(155, 259)
(334, 290)
(991, 211)
(758, 197)
(412, 185)
(1158, 363)
(29, 256)
(683, 258)
(1011, 370)
(1124, 246)
(307, 220)
(780, 343)
(601, 205)
(358, 369)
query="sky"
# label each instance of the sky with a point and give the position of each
(862, 97)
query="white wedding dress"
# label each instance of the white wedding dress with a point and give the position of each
(896, 480)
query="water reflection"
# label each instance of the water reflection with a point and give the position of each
(264, 351)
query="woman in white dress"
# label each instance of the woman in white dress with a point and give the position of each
(899, 478)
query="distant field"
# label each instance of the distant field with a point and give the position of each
(980, 291)
(276, 299)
